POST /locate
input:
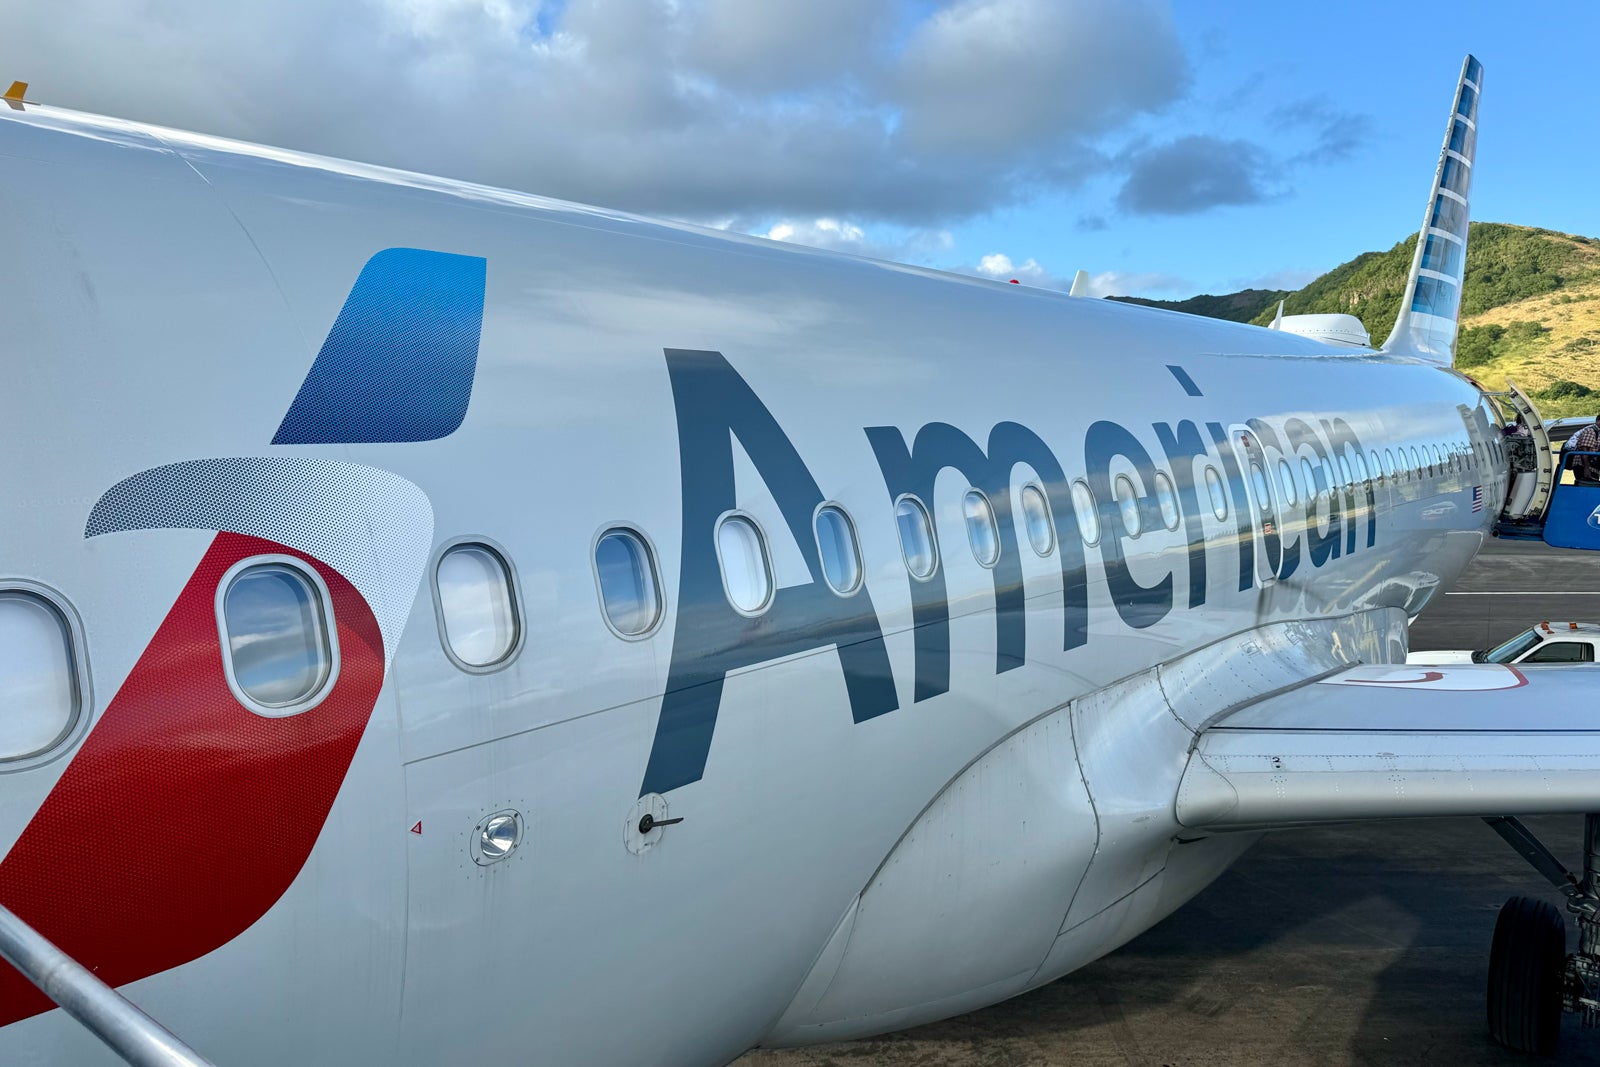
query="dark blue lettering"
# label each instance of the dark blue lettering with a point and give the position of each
(714, 404)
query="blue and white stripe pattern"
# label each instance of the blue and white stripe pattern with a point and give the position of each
(1427, 322)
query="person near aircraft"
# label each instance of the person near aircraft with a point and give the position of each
(1586, 468)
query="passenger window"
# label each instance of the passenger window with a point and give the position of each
(746, 567)
(280, 645)
(1309, 473)
(1219, 495)
(1361, 468)
(1167, 500)
(1286, 482)
(839, 549)
(1345, 481)
(916, 537)
(1036, 517)
(1087, 510)
(1562, 652)
(476, 605)
(625, 571)
(40, 698)
(1127, 498)
(981, 532)
(1258, 479)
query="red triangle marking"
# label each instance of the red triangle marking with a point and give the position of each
(417, 829)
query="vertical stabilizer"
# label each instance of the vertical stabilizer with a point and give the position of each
(1080, 284)
(1426, 326)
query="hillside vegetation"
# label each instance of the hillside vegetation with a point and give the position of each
(1530, 309)
(1242, 306)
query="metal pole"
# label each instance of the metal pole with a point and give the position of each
(110, 1016)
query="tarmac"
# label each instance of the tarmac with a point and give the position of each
(1360, 944)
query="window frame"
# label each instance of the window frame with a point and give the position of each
(1287, 486)
(518, 616)
(933, 536)
(651, 556)
(1157, 479)
(1122, 511)
(330, 623)
(766, 561)
(994, 527)
(855, 545)
(1049, 518)
(1093, 511)
(83, 691)
(1214, 479)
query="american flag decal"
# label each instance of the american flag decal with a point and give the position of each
(1477, 498)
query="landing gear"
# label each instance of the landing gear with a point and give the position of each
(1532, 979)
(1526, 965)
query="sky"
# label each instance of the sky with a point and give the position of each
(1166, 148)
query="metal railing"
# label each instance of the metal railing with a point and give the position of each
(107, 1014)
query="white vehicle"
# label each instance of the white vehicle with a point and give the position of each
(1562, 642)
(444, 625)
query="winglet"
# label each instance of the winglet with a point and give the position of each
(1080, 284)
(1277, 320)
(14, 95)
(1426, 325)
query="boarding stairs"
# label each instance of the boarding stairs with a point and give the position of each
(1542, 506)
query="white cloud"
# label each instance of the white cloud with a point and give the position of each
(1000, 267)
(863, 109)
(993, 74)
(892, 243)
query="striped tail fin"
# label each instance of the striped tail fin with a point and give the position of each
(1426, 326)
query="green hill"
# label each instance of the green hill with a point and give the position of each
(1530, 309)
(1242, 306)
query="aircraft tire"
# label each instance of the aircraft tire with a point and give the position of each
(1527, 962)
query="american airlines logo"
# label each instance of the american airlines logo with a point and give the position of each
(714, 405)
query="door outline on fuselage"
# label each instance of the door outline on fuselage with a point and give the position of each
(1265, 513)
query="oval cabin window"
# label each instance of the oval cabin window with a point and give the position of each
(916, 537)
(839, 550)
(1127, 498)
(981, 531)
(746, 570)
(625, 571)
(1167, 501)
(476, 605)
(1218, 495)
(39, 697)
(278, 638)
(1087, 512)
(1036, 518)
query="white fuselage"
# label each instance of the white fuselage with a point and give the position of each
(1000, 817)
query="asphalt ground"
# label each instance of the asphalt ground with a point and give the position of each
(1362, 944)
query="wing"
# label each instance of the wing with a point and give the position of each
(1375, 742)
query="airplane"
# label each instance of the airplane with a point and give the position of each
(440, 624)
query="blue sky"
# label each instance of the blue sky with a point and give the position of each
(1392, 67)
(1168, 148)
